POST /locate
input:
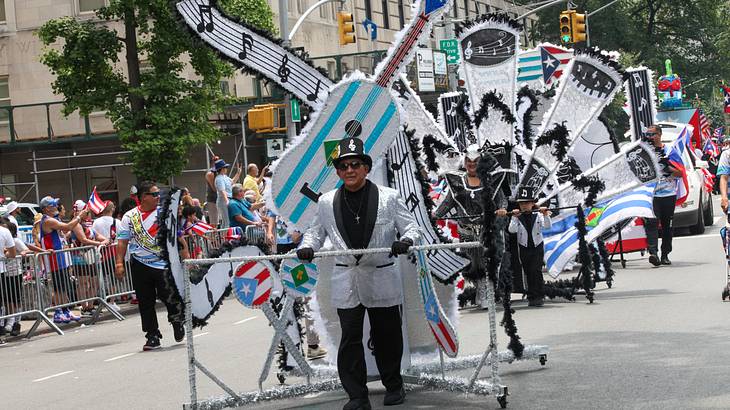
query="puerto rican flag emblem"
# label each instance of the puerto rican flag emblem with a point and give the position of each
(252, 283)
(441, 329)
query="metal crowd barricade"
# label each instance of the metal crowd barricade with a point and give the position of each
(113, 287)
(75, 277)
(201, 246)
(21, 292)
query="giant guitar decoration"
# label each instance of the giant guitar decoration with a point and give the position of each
(357, 107)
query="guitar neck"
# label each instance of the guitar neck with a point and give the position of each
(389, 69)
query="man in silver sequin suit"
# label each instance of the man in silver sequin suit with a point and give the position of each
(361, 215)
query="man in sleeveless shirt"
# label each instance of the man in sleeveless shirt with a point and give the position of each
(137, 232)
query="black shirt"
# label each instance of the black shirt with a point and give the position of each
(353, 204)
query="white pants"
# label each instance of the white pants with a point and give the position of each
(222, 212)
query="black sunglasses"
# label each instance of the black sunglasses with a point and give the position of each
(154, 194)
(342, 166)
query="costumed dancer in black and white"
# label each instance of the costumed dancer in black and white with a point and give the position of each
(528, 226)
(464, 198)
(361, 215)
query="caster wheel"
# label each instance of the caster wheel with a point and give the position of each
(543, 359)
(281, 378)
(502, 400)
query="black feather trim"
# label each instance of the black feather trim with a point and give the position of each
(277, 305)
(502, 18)
(462, 111)
(592, 186)
(596, 259)
(558, 138)
(605, 260)
(491, 99)
(563, 288)
(584, 255)
(568, 170)
(526, 134)
(430, 146)
(611, 134)
(468, 296)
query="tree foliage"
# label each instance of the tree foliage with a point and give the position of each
(161, 107)
(695, 35)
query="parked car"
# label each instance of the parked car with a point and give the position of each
(697, 211)
(25, 219)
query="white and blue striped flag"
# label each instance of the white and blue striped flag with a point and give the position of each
(562, 247)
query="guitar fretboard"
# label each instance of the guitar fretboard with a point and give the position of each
(387, 74)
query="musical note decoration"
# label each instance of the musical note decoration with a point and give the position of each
(246, 41)
(283, 71)
(202, 25)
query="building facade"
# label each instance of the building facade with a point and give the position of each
(42, 152)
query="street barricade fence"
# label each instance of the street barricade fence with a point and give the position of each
(34, 285)
(201, 246)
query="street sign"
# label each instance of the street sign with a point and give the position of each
(451, 48)
(424, 65)
(296, 114)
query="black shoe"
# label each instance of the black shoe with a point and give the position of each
(665, 260)
(2, 330)
(654, 260)
(153, 343)
(357, 404)
(394, 398)
(179, 331)
(16, 329)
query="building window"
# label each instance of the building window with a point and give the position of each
(301, 6)
(334, 11)
(386, 16)
(90, 6)
(225, 87)
(323, 12)
(3, 19)
(401, 14)
(466, 8)
(4, 98)
(368, 10)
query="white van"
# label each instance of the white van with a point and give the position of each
(25, 219)
(696, 212)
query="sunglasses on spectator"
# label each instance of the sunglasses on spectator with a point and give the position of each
(342, 166)
(154, 194)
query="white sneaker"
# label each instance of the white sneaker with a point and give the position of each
(316, 353)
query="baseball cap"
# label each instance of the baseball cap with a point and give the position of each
(79, 205)
(12, 206)
(49, 201)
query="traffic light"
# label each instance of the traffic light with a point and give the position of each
(566, 26)
(267, 118)
(346, 28)
(579, 28)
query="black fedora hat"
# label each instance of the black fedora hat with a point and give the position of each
(352, 147)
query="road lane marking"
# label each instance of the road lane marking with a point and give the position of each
(88, 350)
(52, 376)
(707, 235)
(200, 334)
(120, 357)
(245, 320)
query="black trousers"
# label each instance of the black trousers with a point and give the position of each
(664, 212)
(149, 285)
(519, 282)
(532, 260)
(387, 340)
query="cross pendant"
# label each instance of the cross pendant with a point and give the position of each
(357, 219)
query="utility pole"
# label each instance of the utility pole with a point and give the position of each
(291, 131)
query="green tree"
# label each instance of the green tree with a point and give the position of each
(160, 113)
(256, 13)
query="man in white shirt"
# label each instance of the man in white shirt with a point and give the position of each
(105, 225)
(8, 268)
(12, 210)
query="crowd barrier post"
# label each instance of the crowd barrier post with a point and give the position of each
(20, 292)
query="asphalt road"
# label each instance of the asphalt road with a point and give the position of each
(659, 339)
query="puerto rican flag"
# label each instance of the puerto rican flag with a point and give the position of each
(200, 228)
(726, 97)
(96, 204)
(708, 180)
(252, 283)
(233, 233)
(718, 133)
(676, 160)
(544, 63)
(711, 148)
